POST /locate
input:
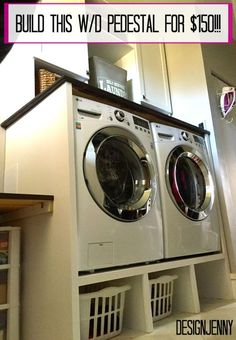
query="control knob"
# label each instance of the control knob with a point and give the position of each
(120, 116)
(185, 135)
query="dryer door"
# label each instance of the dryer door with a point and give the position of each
(189, 183)
(119, 174)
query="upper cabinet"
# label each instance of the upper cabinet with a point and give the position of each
(153, 73)
(189, 93)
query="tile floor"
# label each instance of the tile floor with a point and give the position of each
(166, 329)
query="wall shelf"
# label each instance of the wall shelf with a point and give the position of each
(18, 206)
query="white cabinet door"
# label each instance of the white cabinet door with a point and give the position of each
(153, 76)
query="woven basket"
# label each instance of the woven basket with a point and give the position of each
(46, 79)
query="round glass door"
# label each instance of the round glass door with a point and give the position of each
(119, 174)
(189, 183)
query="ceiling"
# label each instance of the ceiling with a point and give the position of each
(4, 49)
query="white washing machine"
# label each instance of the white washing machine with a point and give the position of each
(189, 213)
(118, 223)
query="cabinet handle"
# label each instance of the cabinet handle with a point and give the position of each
(144, 97)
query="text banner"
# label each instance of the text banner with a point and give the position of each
(118, 23)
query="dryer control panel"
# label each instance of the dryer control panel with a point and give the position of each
(199, 140)
(170, 134)
(185, 135)
(193, 139)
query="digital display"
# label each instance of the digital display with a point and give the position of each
(198, 139)
(140, 122)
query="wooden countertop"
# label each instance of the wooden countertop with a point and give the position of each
(91, 92)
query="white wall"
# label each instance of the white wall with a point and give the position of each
(17, 84)
(220, 60)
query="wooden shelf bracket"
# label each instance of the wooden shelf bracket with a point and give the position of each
(37, 209)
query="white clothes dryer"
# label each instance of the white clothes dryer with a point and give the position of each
(189, 213)
(116, 188)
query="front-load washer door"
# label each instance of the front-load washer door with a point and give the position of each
(119, 174)
(189, 183)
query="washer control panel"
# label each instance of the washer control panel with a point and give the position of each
(141, 124)
(88, 110)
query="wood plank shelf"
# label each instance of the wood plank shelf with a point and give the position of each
(17, 206)
(94, 93)
(92, 278)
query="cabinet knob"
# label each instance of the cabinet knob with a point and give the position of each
(144, 97)
(87, 72)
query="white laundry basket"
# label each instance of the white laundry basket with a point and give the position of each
(101, 313)
(161, 294)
